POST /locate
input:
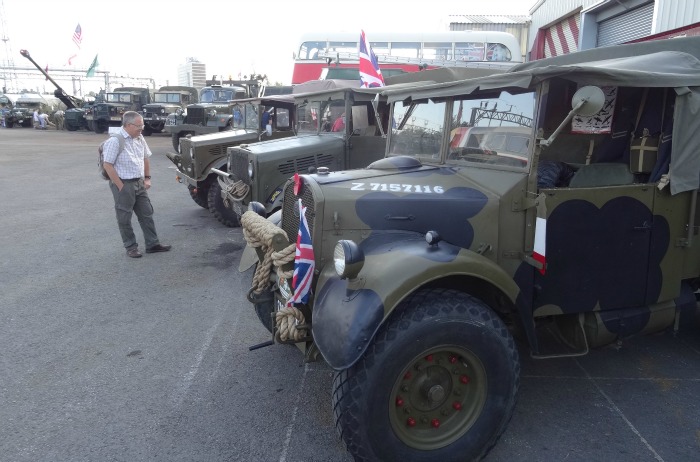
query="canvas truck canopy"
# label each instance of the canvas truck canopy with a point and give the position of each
(662, 69)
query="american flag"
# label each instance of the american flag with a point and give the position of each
(78, 35)
(370, 75)
(304, 263)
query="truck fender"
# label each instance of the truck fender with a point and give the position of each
(348, 313)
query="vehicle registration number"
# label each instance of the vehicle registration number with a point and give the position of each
(169, 121)
(116, 119)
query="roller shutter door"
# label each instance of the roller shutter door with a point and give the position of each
(625, 27)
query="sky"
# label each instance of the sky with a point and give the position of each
(150, 38)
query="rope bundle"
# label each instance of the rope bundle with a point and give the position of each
(259, 233)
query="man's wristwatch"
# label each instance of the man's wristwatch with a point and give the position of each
(148, 177)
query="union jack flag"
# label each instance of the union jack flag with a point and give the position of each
(78, 36)
(304, 263)
(370, 75)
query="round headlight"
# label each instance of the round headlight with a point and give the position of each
(212, 113)
(162, 111)
(348, 259)
(251, 170)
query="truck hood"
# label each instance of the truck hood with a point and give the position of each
(289, 146)
(401, 194)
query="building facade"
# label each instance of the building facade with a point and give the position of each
(192, 74)
(564, 26)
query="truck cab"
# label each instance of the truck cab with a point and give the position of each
(109, 110)
(167, 100)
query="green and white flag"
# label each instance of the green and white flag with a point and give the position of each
(93, 66)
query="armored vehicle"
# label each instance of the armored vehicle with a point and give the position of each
(202, 155)
(167, 100)
(211, 114)
(415, 274)
(109, 110)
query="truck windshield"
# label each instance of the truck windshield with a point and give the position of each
(315, 116)
(118, 98)
(166, 98)
(210, 95)
(486, 131)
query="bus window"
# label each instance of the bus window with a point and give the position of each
(380, 48)
(405, 49)
(497, 52)
(310, 50)
(469, 51)
(342, 47)
(434, 50)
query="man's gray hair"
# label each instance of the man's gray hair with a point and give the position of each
(130, 117)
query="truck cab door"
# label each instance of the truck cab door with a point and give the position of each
(598, 248)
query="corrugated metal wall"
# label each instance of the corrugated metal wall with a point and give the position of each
(673, 14)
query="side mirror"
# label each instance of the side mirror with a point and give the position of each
(587, 101)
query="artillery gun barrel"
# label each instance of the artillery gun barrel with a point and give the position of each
(71, 102)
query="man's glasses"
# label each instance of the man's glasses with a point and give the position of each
(139, 127)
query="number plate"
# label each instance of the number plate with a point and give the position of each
(115, 119)
(170, 121)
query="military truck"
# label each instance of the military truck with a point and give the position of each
(201, 156)
(212, 113)
(109, 110)
(420, 271)
(257, 172)
(21, 114)
(167, 100)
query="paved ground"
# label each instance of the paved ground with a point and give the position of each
(105, 358)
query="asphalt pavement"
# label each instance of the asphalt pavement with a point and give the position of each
(108, 358)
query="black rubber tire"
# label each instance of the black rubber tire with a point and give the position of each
(147, 131)
(201, 197)
(100, 127)
(217, 207)
(176, 142)
(263, 304)
(444, 358)
(70, 127)
(9, 124)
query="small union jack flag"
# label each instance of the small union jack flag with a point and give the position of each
(78, 36)
(370, 75)
(304, 263)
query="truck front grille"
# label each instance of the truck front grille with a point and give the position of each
(302, 164)
(196, 116)
(290, 210)
(239, 167)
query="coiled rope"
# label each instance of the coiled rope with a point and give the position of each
(259, 233)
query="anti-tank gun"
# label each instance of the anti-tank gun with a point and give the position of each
(75, 114)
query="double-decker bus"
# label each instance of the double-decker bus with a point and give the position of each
(319, 53)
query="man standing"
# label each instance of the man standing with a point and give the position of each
(36, 118)
(129, 171)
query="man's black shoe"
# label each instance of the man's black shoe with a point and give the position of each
(134, 253)
(158, 248)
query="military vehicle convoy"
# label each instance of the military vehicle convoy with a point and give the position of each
(258, 171)
(421, 270)
(212, 113)
(109, 110)
(167, 100)
(201, 156)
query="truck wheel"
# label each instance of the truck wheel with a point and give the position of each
(9, 124)
(216, 206)
(439, 382)
(201, 196)
(70, 127)
(147, 131)
(100, 127)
